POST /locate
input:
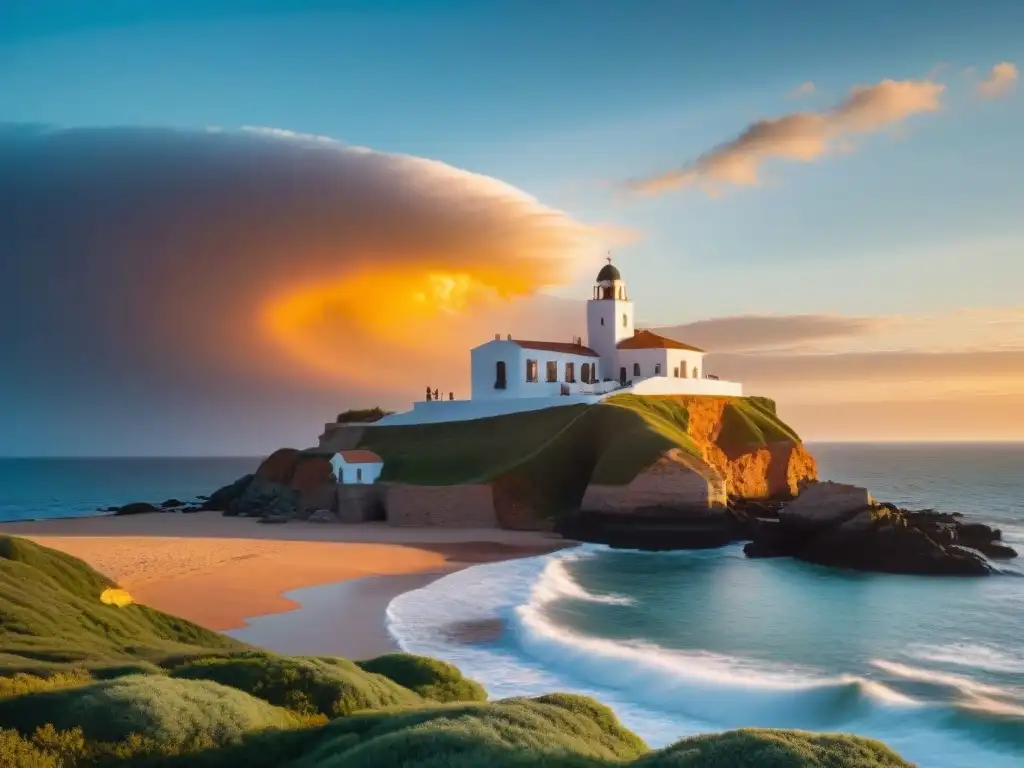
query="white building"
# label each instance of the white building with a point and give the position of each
(356, 467)
(510, 375)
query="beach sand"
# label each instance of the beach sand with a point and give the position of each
(220, 572)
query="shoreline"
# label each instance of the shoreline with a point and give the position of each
(321, 623)
(313, 588)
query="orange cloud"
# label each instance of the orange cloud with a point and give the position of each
(264, 254)
(800, 136)
(999, 81)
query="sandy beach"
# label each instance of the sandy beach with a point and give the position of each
(223, 572)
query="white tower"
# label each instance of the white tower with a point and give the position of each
(609, 318)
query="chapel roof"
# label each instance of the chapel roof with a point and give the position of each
(360, 456)
(608, 273)
(651, 340)
(566, 348)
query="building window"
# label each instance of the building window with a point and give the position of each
(675, 372)
(682, 369)
(570, 372)
(636, 369)
(552, 370)
(602, 321)
(585, 373)
(657, 369)
(625, 320)
(695, 372)
(499, 373)
(531, 370)
(359, 474)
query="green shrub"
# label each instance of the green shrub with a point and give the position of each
(362, 415)
(161, 708)
(52, 615)
(430, 678)
(332, 687)
(775, 749)
(21, 683)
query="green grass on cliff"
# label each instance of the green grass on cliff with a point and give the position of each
(558, 451)
(164, 705)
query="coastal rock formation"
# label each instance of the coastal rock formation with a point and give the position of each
(840, 526)
(675, 479)
(730, 448)
(822, 505)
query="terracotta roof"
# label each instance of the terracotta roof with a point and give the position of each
(360, 456)
(557, 346)
(651, 340)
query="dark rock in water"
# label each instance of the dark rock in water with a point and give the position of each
(997, 551)
(172, 503)
(136, 508)
(881, 538)
(261, 498)
(221, 499)
(110, 509)
(189, 510)
(653, 529)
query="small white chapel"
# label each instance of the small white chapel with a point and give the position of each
(509, 375)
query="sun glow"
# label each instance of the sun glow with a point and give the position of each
(349, 329)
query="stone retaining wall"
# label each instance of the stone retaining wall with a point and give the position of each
(447, 506)
(359, 503)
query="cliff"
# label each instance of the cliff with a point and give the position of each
(627, 453)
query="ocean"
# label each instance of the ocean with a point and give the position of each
(687, 642)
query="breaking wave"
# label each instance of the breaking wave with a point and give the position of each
(939, 718)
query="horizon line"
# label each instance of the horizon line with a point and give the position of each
(901, 441)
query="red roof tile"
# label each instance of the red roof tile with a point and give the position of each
(360, 456)
(651, 340)
(557, 346)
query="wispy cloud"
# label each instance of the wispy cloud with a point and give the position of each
(799, 136)
(806, 88)
(998, 81)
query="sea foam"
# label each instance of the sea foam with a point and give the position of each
(664, 694)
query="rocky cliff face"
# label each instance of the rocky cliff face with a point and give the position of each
(740, 451)
(751, 469)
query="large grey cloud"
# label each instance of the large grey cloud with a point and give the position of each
(137, 263)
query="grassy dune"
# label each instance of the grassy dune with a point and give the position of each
(146, 689)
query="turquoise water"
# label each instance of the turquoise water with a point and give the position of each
(684, 642)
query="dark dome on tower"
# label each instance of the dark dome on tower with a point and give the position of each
(608, 273)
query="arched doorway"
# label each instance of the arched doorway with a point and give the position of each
(622, 375)
(500, 381)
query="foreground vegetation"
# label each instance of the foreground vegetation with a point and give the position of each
(88, 683)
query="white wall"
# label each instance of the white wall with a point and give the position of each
(666, 385)
(361, 473)
(483, 368)
(669, 359)
(465, 410)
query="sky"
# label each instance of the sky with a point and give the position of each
(223, 222)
